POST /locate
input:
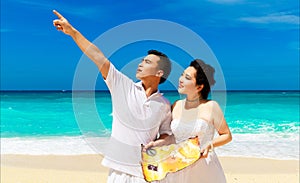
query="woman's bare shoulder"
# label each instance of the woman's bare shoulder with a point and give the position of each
(213, 104)
(176, 103)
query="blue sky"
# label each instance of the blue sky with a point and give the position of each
(256, 42)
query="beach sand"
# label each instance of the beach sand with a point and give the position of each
(88, 169)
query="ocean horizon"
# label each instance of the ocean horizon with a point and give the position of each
(264, 124)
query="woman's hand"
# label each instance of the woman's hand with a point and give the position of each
(162, 141)
(205, 151)
(149, 145)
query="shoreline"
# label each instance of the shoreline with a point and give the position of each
(88, 169)
(243, 145)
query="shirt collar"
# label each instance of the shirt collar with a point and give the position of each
(140, 86)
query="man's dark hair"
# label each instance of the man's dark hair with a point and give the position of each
(164, 64)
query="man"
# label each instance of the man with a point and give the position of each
(140, 112)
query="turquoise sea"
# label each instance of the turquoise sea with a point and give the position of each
(264, 123)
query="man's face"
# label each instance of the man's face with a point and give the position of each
(148, 67)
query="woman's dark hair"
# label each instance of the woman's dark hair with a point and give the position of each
(204, 75)
(164, 64)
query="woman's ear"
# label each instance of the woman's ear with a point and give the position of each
(200, 87)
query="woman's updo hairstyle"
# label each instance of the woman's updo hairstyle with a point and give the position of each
(204, 75)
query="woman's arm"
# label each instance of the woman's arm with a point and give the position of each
(222, 128)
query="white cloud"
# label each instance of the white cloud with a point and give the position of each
(226, 1)
(273, 18)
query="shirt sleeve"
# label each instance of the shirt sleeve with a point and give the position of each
(165, 127)
(117, 81)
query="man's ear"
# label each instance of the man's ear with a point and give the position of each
(160, 73)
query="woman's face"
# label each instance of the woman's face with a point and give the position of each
(187, 82)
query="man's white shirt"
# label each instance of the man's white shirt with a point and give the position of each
(137, 119)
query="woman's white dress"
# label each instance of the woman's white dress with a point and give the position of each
(205, 170)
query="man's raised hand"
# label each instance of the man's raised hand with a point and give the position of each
(62, 23)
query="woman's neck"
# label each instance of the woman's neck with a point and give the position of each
(193, 98)
(193, 101)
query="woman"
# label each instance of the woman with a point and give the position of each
(197, 116)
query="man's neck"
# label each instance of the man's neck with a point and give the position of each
(150, 87)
